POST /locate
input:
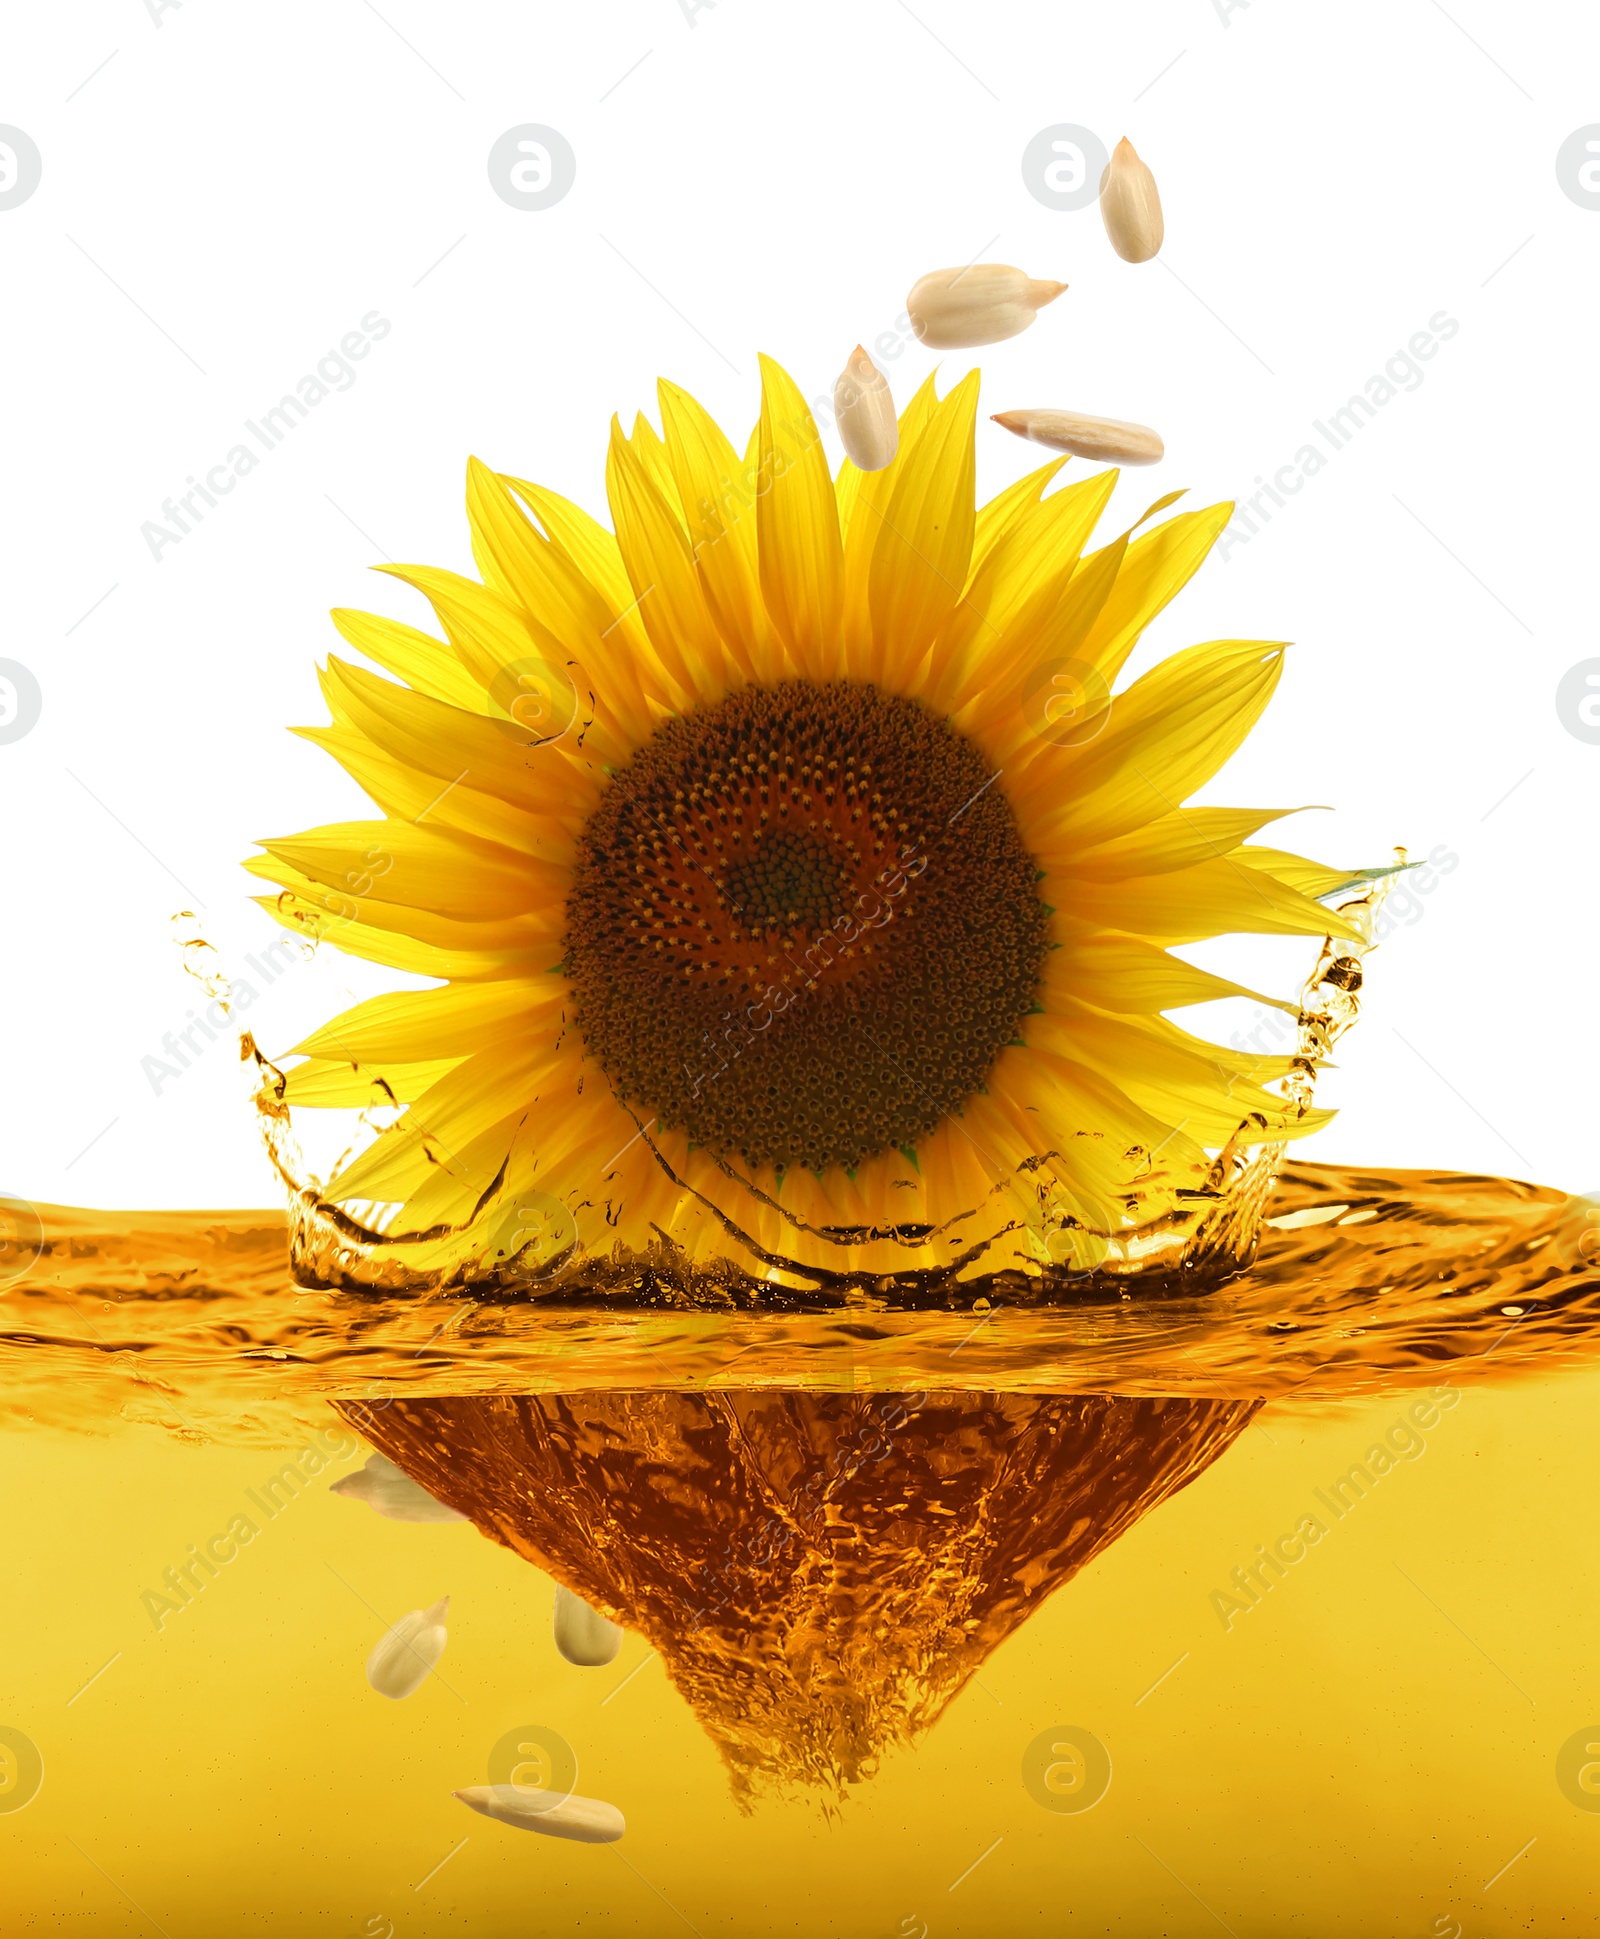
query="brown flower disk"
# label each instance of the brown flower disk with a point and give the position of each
(803, 925)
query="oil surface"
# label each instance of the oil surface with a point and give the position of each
(1362, 1277)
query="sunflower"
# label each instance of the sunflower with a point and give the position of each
(794, 888)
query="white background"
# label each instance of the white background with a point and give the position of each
(236, 186)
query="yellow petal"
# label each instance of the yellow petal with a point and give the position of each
(1157, 568)
(1209, 899)
(720, 505)
(1310, 878)
(996, 517)
(491, 637)
(410, 794)
(323, 1084)
(656, 553)
(453, 745)
(652, 454)
(585, 543)
(540, 580)
(306, 916)
(1027, 599)
(1167, 735)
(421, 662)
(1167, 1070)
(470, 1100)
(1173, 841)
(924, 544)
(1126, 974)
(425, 868)
(1008, 692)
(797, 528)
(537, 930)
(417, 1025)
(867, 495)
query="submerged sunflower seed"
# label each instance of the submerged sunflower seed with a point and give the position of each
(953, 309)
(405, 1654)
(390, 1492)
(587, 1821)
(1104, 438)
(583, 1635)
(863, 409)
(1130, 206)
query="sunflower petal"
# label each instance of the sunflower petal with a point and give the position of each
(1127, 974)
(1175, 841)
(801, 556)
(410, 794)
(924, 545)
(443, 1122)
(420, 661)
(449, 743)
(323, 1083)
(647, 444)
(536, 930)
(656, 552)
(424, 868)
(1209, 1089)
(1158, 567)
(720, 507)
(867, 495)
(997, 516)
(1167, 735)
(1028, 595)
(416, 1025)
(310, 921)
(537, 577)
(1209, 899)
(584, 542)
(1314, 879)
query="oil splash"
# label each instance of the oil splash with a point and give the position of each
(529, 1245)
(1363, 1280)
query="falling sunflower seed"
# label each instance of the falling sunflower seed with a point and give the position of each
(1107, 439)
(864, 412)
(390, 1492)
(1130, 206)
(583, 1635)
(954, 309)
(405, 1653)
(587, 1821)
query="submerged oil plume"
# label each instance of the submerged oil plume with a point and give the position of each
(821, 1573)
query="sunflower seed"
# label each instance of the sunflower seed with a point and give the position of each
(390, 1492)
(406, 1652)
(588, 1821)
(583, 1635)
(1130, 207)
(863, 409)
(953, 309)
(1105, 438)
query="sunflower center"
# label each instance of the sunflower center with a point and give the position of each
(791, 881)
(803, 925)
